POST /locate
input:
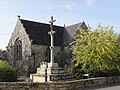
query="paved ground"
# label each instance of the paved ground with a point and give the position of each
(112, 87)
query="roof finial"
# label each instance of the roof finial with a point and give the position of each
(18, 16)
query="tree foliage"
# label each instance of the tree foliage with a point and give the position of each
(3, 55)
(7, 72)
(96, 50)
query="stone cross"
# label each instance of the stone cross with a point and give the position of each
(52, 41)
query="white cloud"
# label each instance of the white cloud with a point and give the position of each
(90, 2)
(70, 6)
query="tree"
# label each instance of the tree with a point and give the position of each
(3, 55)
(7, 72)
(96, 51)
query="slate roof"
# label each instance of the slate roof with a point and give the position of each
(71, 30)
(38, 32)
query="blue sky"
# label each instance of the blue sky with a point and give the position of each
(93, 12)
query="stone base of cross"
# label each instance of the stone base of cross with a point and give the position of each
(54, 65)
(52, 73)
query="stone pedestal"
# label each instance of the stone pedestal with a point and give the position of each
(53, 65)
(50, 74)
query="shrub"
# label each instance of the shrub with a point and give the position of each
(7, 72)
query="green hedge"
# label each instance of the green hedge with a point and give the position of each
(7, 72)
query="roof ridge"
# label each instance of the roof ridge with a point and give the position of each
(39, 22)
(74, 24)
(32, 21)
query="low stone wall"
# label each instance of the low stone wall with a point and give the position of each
(66, 85)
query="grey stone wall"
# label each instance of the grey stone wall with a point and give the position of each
(66, 85)
(40, 55)
(22, 66)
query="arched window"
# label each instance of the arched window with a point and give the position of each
(47, 55)
(18, 50)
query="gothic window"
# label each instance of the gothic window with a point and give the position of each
(18, 50)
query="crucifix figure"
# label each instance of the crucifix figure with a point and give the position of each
(52, 41)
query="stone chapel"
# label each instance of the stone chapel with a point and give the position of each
(29, 44)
